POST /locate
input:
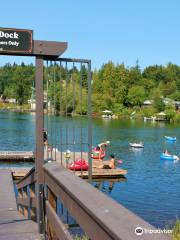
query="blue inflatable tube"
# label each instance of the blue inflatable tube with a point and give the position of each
(173, 139)
(164, 156)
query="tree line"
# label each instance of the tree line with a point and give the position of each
(117, 87)
(114, 86)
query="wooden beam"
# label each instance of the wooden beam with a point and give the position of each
(49, 49)
(46, 49)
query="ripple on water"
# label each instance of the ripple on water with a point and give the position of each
(152, 189)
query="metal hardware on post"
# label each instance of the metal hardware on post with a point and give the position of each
(39, 143)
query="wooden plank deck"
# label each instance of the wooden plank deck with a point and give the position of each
(17, 172)
(103, 173)
(96, 172)
(16, 156)
(13, 225)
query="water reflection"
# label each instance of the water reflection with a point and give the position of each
(167, 163)
(107, 186)
(136, 150)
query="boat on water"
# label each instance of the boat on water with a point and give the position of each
(136, 145)
(165, 156)
(153, 119)
(107, 114)
(172, 139)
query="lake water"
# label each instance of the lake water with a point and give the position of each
(152, 188)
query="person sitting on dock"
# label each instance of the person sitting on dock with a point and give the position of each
(110, 163)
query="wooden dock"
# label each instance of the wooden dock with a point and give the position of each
(103, 173)
(16, 156)
(97, 174)
(21, 156)
(13, 225)
(96, 171)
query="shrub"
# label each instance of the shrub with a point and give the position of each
(176, 231)
(177, 118)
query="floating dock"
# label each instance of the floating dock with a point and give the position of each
(22, 156)
(96, 171)
(103, 173)
(117, 173)
(16, 156)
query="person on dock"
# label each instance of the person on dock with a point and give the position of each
(100, 152)
(110, 165)
(103, 145)
(45, 138)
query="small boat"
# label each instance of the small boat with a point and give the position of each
(136, 145)
(164, 156)
(172, 139)
(149, 119)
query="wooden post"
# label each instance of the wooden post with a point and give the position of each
(39, 143)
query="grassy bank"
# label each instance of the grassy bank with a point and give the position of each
(15, 107)
(176, 231)
(141, 112)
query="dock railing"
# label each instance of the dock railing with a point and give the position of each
(26, 199)
(99, 216)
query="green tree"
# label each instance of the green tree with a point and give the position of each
(136, 96)
(22, 81)
(157, 97)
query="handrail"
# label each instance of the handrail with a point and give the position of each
(28, 179)
(58, 225)
(26, 195)
(99, 216)
(27, 201)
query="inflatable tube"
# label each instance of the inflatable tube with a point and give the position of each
(119, 161)
(78, 165)
(164, 156)
(172, 139)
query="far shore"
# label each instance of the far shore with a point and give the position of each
(138, 113)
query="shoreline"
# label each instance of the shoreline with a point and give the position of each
(140, 114)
